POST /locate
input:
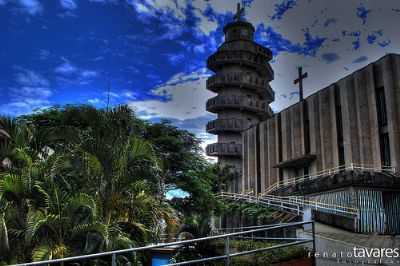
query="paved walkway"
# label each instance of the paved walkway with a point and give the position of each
(336, 247)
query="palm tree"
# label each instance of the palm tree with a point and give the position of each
(3, 132)
(20, 192)
(95, 190)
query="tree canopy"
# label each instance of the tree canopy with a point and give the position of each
(77, 180)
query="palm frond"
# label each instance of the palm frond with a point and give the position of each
(42, 252)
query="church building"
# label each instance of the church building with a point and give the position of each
(340, 145)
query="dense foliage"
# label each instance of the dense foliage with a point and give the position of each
(77, 180)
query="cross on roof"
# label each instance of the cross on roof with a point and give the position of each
(300, 81)
(239, 12)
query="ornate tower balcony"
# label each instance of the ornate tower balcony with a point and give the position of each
(241, 79)
(236, 102)
(225, 125)
(224, 149)
(257, 61)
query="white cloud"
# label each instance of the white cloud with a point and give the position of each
(30, 78)
(32, 7)
(68, 4)
(186, 96)
(89, 74)
(311, 15)
(25, 106)
(66, 68)
(95, 101)
(177, 9)
(33, 93)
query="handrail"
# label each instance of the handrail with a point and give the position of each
(226, 256)
(325, 172)
(292, 203)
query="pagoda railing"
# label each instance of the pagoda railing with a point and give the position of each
(246, 46)
(257, 61)
(236, 101)
(252, 81)
(224, 149)
(228, 124)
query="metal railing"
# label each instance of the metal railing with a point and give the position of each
(327, 172)
(228, 253)
(292, 204)
(227, 230)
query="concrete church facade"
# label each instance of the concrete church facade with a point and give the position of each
(340, 145)
(356, 121)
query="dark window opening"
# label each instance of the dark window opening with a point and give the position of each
(306, 171)
(381, 106)
(280, 174)
(382, 123)
(385, 149)
(339, 126)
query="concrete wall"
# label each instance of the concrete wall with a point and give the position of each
(323, 134)
(269, 153)
(292, 135)
(250, 173)
(360, 124)
(389, 78)
(351, 100)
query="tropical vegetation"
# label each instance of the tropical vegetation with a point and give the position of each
(77, 180)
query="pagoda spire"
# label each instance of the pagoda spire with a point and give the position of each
(239, 12)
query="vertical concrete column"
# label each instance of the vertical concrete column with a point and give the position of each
(373, 117)
(264, 158)
(245, 164)
(273, 151)
(390, 68)
(367, 117)
(252, 159)
(349, 121)
(297, 127)
(286, 137)
(334, 133)
(329, 149)
(315, 130)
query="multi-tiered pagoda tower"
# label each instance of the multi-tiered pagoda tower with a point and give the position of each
(241, 80)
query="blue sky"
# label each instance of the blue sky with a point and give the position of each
(152, 53)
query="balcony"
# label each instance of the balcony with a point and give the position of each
(218, 103)
(241, 79)
(224, 149)
(247, 46)
(225, 125)
(257, 61)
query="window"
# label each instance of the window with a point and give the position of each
(384, 140)
(306, 171)
(385, 149)
(381, 106)
(339, 126)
